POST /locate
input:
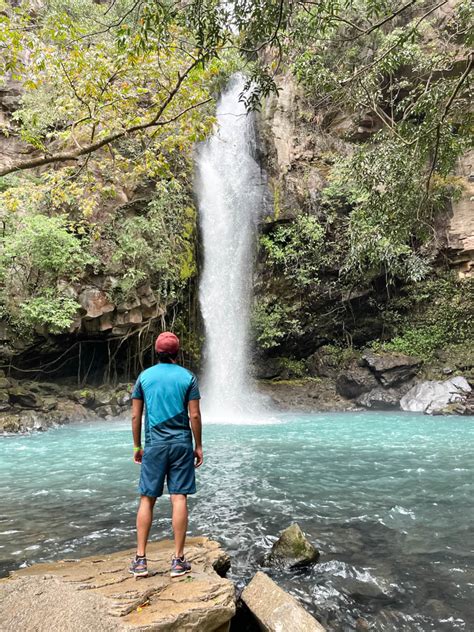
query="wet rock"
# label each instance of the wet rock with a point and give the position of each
(276, 610)
(98, 593)
(380, 399)
(105, 398)
(26, 399)
(306, 394)
(31, 420)
(437, 397)
(391, 368)
(68, 410)
(4, 401)
(124, 399)
(10, 423)
(111, 410)
(366, 592)
(292, 548)
(355, 381)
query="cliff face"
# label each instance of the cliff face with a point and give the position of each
(300, 144)
(460, 228)
(112, 332)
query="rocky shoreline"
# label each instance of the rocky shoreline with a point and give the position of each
(27, 406)
(367, 381)
(374, 381)
(92, 593)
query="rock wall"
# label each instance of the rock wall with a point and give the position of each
(299, 143)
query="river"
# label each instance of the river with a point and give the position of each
(386, 497)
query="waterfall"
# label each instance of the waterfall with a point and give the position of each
(229, 190)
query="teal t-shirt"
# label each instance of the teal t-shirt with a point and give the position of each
(166, 390)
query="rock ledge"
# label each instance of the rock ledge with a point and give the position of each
(98, 593)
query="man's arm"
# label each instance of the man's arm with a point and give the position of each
(137, 412)
(196, 427)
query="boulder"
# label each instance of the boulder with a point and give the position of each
(323, 363)
(49, 403)
(391, 368)
(293, 549)
(85, 397)
(112, 410)
(276, 610)
(31, 420)
(380, 399)
(25, 399)
(98, 593)
(105, 398)
(124, 398)
(437, 397)
(355, 381)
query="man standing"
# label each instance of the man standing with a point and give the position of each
(169, 392)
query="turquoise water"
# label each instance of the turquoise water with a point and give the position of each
(388, 498)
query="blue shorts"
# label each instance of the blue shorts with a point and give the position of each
(171, 461)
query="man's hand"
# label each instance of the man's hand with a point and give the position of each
(138, 455)
(198, 456)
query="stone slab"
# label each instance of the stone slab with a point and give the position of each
(98, 593)
(276, 610)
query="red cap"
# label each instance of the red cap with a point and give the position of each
(167, 343)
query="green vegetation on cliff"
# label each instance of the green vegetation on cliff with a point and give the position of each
(113, 98)
(108, 117)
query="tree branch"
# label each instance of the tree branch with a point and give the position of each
(92, 147)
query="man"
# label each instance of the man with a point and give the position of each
(168, 392)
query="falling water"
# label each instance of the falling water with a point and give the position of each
(229, 190)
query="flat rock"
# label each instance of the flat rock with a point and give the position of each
(98, 593)
(276, 610)
(292, 548)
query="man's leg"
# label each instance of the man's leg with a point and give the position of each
(144, 519)
(180, 522)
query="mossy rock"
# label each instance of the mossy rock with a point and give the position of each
(293, 549)
(85, 397)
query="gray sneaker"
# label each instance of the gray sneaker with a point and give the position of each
(138, 567)
(180, 566)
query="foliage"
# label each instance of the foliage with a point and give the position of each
(434, 315)
(55, 312)
(157, 246)
(121, 95)
(296, 248)
(39, 258)
(273, 321)
(382, 187)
